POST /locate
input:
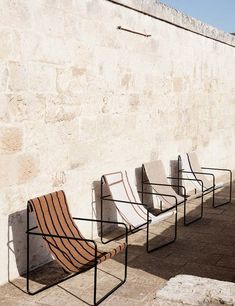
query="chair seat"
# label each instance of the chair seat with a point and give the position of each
(107, 255)
(163, 216)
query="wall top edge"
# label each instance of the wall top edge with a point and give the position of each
(169, 14)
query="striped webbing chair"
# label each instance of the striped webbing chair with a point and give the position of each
(66, 244)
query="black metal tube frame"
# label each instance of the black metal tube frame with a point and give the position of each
(162, 212)
(213, 187)
(29, 232)
(147, 223)
(178, 203)
(185, 206)
(230, 183)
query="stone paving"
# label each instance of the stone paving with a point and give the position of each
(204, 249)
(194, 290)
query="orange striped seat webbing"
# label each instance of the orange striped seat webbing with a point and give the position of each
(53, 218)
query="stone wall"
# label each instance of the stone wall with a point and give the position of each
(79, 98)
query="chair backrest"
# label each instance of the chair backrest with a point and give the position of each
(120, 189)
(156, 173)
(190, 163)
(53, 218)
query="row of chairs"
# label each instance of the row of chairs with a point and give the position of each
(76, 254)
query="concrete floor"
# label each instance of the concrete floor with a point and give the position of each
(205, 248)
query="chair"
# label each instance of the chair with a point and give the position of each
(156, 177)
(188, 166)
(131, 211)
(67, 246)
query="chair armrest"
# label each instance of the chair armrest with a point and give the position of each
(96, 220)
(121, 201)
(216, 169)
(198, 172)
(187, 179)
(60, 236)
(161, 194)
(203, 173)
(158, 184)
(184, 179)
(171, 185)
(105, 221)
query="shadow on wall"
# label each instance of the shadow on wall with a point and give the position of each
(109, 211)
(174, 173)
(17, 248)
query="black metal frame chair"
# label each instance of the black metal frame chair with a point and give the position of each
(184, 202)
(108, 198)
(31, 232)
(213, 187)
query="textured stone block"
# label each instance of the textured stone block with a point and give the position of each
(27, 106)
(6, 44)
(27, 168)
(18, 169)
(4, 108)
(4, 76)
(18, 76)
(58, 113)
(11, 139)
(193, 290)
(42, 78)
(16, 14)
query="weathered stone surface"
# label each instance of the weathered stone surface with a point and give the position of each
(4, 75)
(5, 48)
(192, 290)
(27, 107)
(4, 108)
(16, 170)
(11, 139)
(18, 76)
(28, 167)
(42, 78)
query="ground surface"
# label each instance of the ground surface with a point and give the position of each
(205, 248)
(194, 290)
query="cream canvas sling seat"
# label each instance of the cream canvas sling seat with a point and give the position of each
(189, 167)
(156, 177)
(68, 247)
(129, 207)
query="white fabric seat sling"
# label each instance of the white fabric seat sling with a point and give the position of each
(158, 180)
(189, 167)
(129, 207)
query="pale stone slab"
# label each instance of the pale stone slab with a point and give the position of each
(193, 290)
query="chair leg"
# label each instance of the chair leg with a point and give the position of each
(230, 194)
(95, 284)
(27, 264)
(165, 244)
(197, 219)
(116, 287)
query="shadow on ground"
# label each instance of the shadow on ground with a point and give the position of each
(205, 248)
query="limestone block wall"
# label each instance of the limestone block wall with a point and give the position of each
(79, 98)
